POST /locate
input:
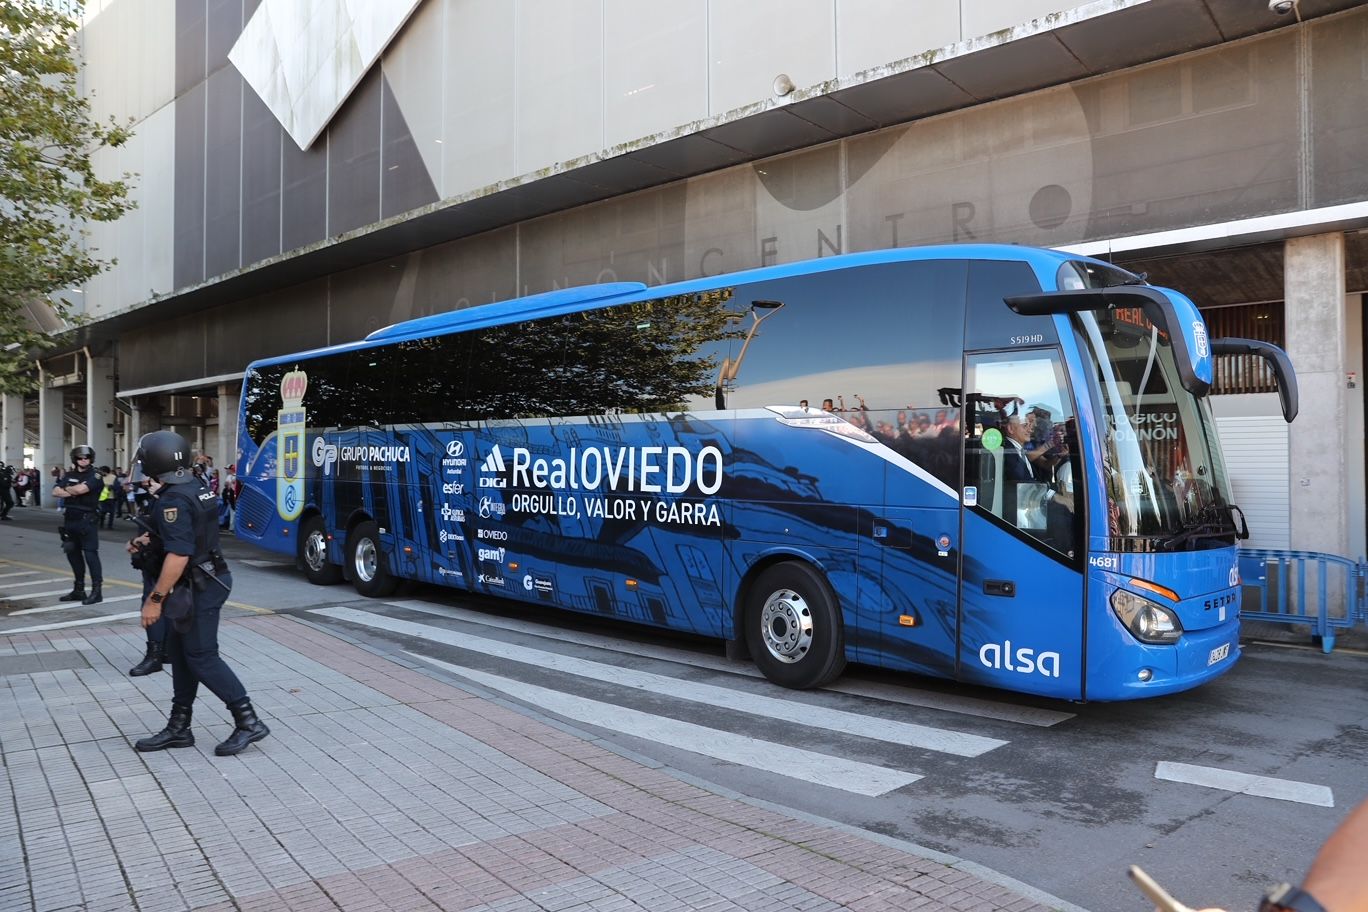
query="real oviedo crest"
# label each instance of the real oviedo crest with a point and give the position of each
(290, 446)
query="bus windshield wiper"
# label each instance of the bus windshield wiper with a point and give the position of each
(1213, 521)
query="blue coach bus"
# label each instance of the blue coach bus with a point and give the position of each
(986, 463)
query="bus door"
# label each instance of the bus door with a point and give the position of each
(1021, 605)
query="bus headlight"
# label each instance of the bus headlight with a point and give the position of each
(1150, 623)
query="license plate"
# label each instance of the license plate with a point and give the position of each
(1220, 652)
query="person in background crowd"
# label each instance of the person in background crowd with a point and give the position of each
(229, 496)
(108, 498)
(22, 480)
(122, 500)
(78, 497)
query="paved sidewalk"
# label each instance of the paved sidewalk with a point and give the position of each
(381, 787)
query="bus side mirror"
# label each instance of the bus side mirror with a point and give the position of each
(1277, 359)
(1175, 315)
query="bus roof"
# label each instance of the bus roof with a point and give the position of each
(592, 297)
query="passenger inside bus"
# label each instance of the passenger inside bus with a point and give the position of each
(1019, 462)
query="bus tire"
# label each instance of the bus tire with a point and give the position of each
(366, 559)
(313, 553)
(793, 626)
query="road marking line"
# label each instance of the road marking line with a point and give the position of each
(1246, 783)
(862, 726)
(796, 763)
(41, 582)
(82, 623)
(18, 573)
(117, 598)
(35, 595)
(893, 693)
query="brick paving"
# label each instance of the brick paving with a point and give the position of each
(382, 787)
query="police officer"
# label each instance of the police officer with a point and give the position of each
(79, 491)
(6, 491)
(185, 518)
(146, 554)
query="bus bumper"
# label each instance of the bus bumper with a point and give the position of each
(1195, 659)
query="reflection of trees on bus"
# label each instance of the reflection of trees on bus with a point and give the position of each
(646, 357)
(652, 356)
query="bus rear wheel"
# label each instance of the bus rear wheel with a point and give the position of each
(313, 553)
(793, 627)
(367, 562)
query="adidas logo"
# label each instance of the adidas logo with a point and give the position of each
(493, 465)
(494, 462)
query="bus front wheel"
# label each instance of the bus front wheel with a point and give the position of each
(793, 627)
(367, 562)
(313, 553)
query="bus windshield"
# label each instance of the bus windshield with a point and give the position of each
(1166, 484)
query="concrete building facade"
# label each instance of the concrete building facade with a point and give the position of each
(311, 170)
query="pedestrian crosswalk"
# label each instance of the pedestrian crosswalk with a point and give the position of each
(856, 736)
(23, 594)
(969, 706)
(820, 769)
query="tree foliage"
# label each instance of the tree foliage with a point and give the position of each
(49, 190)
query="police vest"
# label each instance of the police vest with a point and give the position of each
(202, 505)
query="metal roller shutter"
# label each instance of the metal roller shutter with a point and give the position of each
(1256, 456)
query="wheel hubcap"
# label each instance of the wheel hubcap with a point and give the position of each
(366, 560)
(786, 623)
(316, 551)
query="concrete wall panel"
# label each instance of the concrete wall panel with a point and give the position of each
(646, 91)
(871, 33)
(751, 43)
(478, 89)
(559, 81)
(414, 69)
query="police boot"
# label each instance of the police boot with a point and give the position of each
(77, 594)
(150, 663)
(176, 734)
(249, 728)
(95, 596)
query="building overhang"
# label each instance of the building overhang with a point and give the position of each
(1090, 40)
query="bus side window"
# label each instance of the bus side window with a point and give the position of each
(990, 322)
(879, 342)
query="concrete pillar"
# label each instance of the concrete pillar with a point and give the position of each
(52, 447)
(12, 430)
(1318, 344)
(145, 418)
(1356, 447)
(100, 409)
(227, 450)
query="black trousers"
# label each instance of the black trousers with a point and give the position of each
(195, 658)
(83, 547)
(6, 500)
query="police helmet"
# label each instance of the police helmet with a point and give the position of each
(83, 451)
(162, 456)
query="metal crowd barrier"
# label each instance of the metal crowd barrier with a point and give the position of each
(1324, 591)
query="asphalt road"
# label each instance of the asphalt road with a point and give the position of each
(1062, 796)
